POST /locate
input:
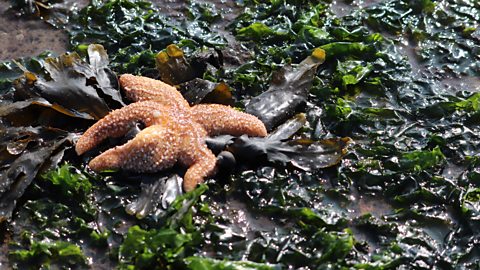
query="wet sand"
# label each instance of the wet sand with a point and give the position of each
(23, 38)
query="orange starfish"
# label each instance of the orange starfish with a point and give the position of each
(175, 131)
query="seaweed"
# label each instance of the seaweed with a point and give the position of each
(71, 86)
(142, 28)
(24, 152)
(444, 31)
(60, 88)
(155, 196)
(44, 254)
(288, 90)
(195, 263)
(404, 195)
(161, 248)
(55, 12)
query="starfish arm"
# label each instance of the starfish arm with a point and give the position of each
(118, 122)
(138, 88)
(175, 131)
(219, 119)
(198, 171)
(195, 155)
(153, 149)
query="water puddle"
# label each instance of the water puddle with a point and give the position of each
(172, 8)
(245, 222)
(466, 83)
(345, 7)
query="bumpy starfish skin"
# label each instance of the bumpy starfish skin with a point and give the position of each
(139, 88)
(219, 119)
(159, 147)
(118, 122)
(175, 131)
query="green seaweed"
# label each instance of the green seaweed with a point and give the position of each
(197, 263)
(404, 195)
(162, 248)
(69, 184)
(44, 254)
(55, 12)
(142, 28)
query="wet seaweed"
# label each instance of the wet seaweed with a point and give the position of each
(405, 195)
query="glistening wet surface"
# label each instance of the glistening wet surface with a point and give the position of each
(24, 37)
(30, 37)
(345, 7)
(56, 40)
(27, 37)
(409, 49)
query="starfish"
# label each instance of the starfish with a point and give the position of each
(175, 132)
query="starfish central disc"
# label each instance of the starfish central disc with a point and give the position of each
(175, 132)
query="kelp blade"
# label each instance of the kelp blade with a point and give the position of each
(288, 90)
(73, 85)
(24, 165)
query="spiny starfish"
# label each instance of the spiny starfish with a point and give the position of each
(175, 132)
